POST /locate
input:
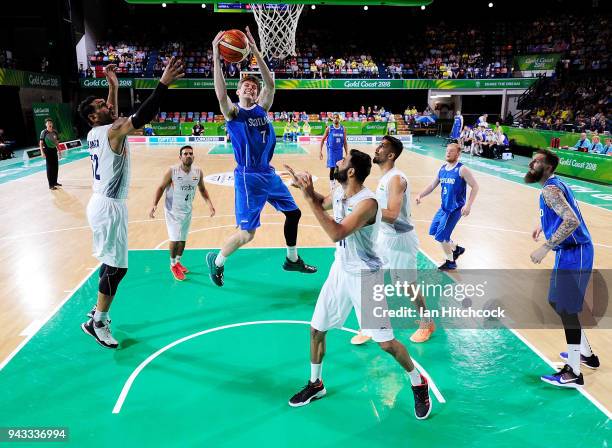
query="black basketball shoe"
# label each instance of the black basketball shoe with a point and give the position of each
(298, 266)
(215, 272)
(458, 252)
(564, 378)
(310, 392)
(422, 402)
(592, 362)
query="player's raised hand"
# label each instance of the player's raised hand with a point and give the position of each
(295, 181)
(173, 71)
(111, 75)
(215, 44)
(252, 43)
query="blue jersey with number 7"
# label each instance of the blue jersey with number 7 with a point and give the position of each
(253, 138)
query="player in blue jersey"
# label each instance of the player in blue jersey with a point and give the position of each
(453, 176)
(337, 147)
(457, 126)
(567, 235)
(255, 180)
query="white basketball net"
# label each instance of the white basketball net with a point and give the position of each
(277, 25)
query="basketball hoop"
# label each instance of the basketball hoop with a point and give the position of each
(277, 25)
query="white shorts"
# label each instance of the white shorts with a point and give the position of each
(178, 225)
(341, 292)
(108, 219)
(399, 254)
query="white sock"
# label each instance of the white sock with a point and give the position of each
(585, 347)
(172, 261)
(100, 316)
(415, 377)
(315, 372)
(332, 184)
(292, 254)
(573, 357)
(220, 260)
(178, 258)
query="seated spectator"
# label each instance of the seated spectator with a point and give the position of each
(584, 144)
(488, 144)
(306, 128)
(148, 130)
(501, 143)
(407, 114)
(596, 147)
(607, 149)
(391, 126)
(479, 138)
(197, 129)
(466, 139)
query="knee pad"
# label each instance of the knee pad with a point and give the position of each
(293, 217)
(110, 277)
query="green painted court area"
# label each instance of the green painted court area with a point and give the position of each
(230, 386)
(282, 148)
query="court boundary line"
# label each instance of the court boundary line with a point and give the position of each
(511, 181)
(529, 345)
(130, 381)
(44, 321)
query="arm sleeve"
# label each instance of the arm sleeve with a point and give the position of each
(148, 109)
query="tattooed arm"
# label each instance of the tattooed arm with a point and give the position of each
(555, 199)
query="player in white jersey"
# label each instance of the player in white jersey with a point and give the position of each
(180, 183)
(354, 229)
(107, 208)
(398, 244)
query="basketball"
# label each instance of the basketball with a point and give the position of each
(234, 46)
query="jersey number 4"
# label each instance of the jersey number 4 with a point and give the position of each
(94, 166)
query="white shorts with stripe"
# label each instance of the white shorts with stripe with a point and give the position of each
(399, 255)
(341, 293)
(178, 225)
(108, 219)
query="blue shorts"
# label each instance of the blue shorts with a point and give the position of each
(334, 156)
(570, 278)
(443, 224)
(252, 190)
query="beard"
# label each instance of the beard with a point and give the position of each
(188, 162)
(376, 160)
(341, 175)
(105, 119)
(531, 176)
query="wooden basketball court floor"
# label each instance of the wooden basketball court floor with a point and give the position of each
(199, 364)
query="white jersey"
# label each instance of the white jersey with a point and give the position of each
(181, 191)
(468, 135)
(403, 223)
(357, 251)
(111, 171)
